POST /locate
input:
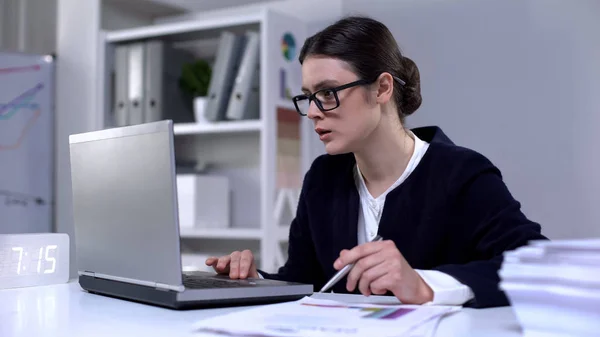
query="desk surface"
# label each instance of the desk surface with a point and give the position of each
(66, 310)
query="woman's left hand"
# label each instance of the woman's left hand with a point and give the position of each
(379, 267)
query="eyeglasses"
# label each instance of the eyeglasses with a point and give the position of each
(327, 99)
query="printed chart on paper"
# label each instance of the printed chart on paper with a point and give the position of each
(310, 317)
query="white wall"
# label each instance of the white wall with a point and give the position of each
(314, 12)
(40, 36)
(76, 99)
(28, 26)
(10, 20)
(583, 24)
(517, 80)
(113, 17)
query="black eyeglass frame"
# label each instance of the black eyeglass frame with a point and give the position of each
(313, 96)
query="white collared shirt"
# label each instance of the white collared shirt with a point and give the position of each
(447, 290)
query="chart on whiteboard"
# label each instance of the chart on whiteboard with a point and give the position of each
(26, 143)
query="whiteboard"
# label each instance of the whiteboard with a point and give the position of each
(26, 143)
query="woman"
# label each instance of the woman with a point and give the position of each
(444, 213)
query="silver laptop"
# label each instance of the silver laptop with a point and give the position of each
(127, 229)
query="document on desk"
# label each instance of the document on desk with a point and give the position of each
(312, 317)
(357, 298)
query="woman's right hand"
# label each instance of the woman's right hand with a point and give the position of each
(237, 265)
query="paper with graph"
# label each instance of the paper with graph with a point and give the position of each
(26, 142)
(322, 318)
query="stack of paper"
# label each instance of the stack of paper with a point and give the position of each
(554, 287)
(314, 317)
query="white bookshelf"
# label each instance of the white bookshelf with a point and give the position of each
(207, 27)
(227, 233)
(232, 233)
(217, 127)
(245, 151)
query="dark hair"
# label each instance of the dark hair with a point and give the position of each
(370, 49)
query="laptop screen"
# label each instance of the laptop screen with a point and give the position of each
(124, 203)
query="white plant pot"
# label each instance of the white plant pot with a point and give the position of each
(199, 104)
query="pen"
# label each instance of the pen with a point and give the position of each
(340, 274)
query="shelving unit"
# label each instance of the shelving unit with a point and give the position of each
(227, 233)
(245, 151)
(231, 233)
(218, 127)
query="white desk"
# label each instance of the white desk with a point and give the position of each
(66, 310)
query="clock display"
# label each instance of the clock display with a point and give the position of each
(26, 261)
(33, 259)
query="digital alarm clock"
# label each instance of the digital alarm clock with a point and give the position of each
(33, 259)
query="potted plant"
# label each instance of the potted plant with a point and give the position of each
(194, 80)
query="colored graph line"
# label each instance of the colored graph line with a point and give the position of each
(9, 109)
(22, 105)
(17, 144)
(373, 312)
(23, 101)
(12, 70)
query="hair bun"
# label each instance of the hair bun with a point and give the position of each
(411, 91)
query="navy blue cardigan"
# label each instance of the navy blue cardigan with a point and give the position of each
(453, 214)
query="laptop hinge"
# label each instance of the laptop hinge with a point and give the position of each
(165, 287)
(159, 286)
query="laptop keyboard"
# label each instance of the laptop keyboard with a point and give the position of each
(195, 282)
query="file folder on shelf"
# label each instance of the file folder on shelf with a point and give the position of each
(224, 71)
(244, 100)
(135, 83)
(120, 107)
(163, 98)
(147, 84)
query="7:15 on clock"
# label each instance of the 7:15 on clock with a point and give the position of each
(45, 257)
(33, 259)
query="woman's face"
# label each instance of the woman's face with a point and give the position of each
(344, 128)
